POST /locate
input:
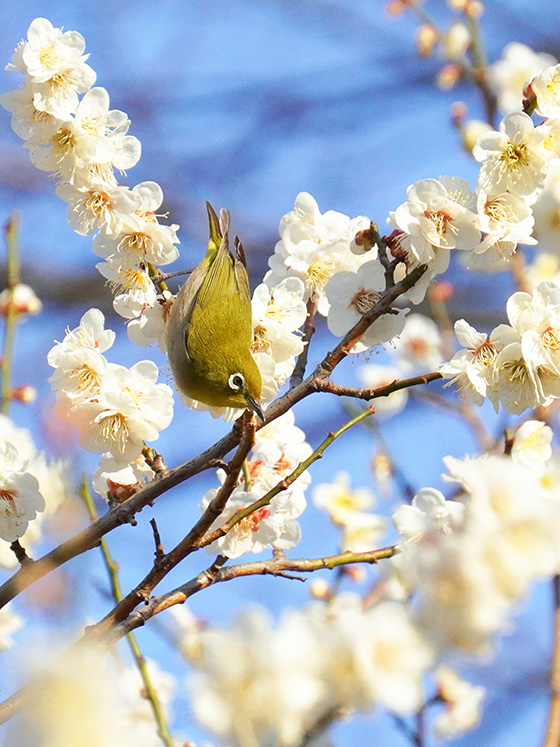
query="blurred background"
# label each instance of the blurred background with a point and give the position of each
(246, 104)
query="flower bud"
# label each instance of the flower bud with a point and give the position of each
(448, 76)
(442, 291)
(426, 39)
(320, 589)
(456, 41)
(26, 394)
(23, 300)
(474, 8)
(363, 241)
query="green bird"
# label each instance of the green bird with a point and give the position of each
(209, 329)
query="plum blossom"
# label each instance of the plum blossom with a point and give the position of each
(513, 159)
(54, 61)
(546, 87)
(313, 246)
(532, 445)
(429, 512)
(353, 294)
(508, 76)
(340, 500)
(20, 499)
(436, 218)
(273, 525)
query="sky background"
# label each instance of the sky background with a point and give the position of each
(246, 104)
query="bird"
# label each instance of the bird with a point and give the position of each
(209, 328)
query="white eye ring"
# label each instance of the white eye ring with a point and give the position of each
(236, 382)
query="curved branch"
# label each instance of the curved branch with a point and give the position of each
(125, 512)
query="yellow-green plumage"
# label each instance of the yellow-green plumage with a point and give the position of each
(209, 330)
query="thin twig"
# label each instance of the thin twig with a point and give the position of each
(125, 512)
(113, 573)
(276, 566)
(308, 332)
(12, 316)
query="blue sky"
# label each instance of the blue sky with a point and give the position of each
(246, 104)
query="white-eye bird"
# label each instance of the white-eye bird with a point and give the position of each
(209, 329)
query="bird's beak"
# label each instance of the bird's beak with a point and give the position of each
(254, 406)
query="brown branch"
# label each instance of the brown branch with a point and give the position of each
(383, 391)
(125, 512)
(308, 332)
(167, 561)
(279, 565)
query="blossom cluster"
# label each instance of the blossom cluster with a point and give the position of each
(518, 364)
(279, 448)
(115, 409)
(470, 560)
(82, 142)
(254, 684)
(24, 510)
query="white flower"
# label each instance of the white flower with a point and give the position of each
(55, 63)
(130, 409)
(98, 208)
(463, 704)
(362, 532)
(517, 388)
(277, 314)
(353, 294)
(375, 377)
(131, 282)
(273, 525)
(28, 122)
(428, 513)
(418, 347)
(516, 67)
(254, 685)
(513, 159)
(504, 218)
(142, 237)
(364, 663)
(547, 215)
(149, 326)
(313, 247)
(473, 369)
(546, 87)
(89, 334)
(282, 446)
(20, 499)
(120, 478)
(78, 373)
(85, 150)
(436, 218)
(536, 317)
(21, 299)
(339, 500)
(531, 445)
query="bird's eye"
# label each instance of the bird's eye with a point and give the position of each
(236, 382)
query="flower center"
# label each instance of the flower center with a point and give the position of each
(114, 429)
(440, 220)
(9, 497)
(364, 300)
(514, 155)
(138, 244)
(98, 202)
(250, 524)
(550, 338)
(485, 353)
